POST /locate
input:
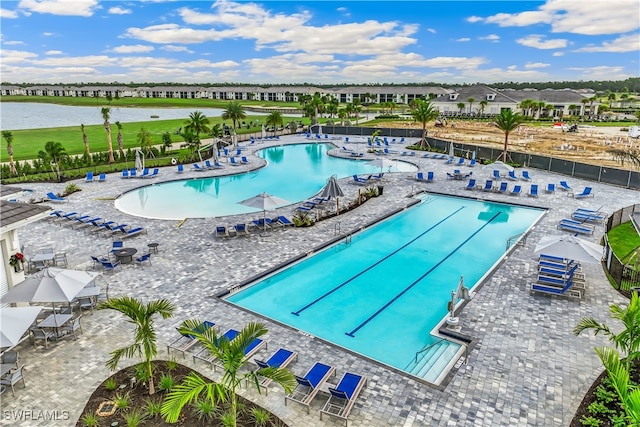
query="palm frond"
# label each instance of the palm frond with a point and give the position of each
(126, 352)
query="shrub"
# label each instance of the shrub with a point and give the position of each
(121, 401)
(90, 419)
(205, 410)
(153, 407)
(110, 384)
(166, 383)
(590, 421)
(135, 417)
(260, 416)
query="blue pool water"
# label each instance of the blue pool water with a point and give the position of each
(382, 294)
(293, 172)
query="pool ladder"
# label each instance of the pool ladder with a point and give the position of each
(514, 239)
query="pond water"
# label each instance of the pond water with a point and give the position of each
(33, 115)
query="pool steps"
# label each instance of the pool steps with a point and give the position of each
(434, 361)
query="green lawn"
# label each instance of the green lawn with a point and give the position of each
(624, 240)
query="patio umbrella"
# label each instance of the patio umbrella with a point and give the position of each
(381, 162)
(264, 132)
(50, 285)
(234, 139)
(139, 163)
(265, 202)
(14, 321)
(332, 189)
(451, 150)
(570, 247)
(501, 166)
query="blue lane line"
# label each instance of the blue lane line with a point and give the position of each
(384, 307)
(297, 313)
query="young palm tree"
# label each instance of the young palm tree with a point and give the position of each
(144, 341)
(85, 140)
(460, 106)
(145, 139)
(274, 119)
(198, 123)
(507, 122)
(107, 127)
(471, 101)
(423, 113)
(53, 154)
(628, 340)
(234, 112)
(8, 136)
(231, 354)
(120, 140)
(620, 375)
(483, 105)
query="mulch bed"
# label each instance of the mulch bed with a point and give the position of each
(139, 396)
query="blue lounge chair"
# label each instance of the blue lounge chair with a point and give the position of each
(503, 188)
(564, 186)
(429, 176)
(587, 217)
(89, 177)
(133, 232)
(156, 172)
(244, 160)
(221, 231)
(575, 228)
(512, 176)
(525, 176)
(308, 386)
(241, 229)
(496, 174)
(233, 162)
(420, 176)
(343, 397)
(551, 188)
(471, 185)
(460, 162)
(125, 173)
(198, 168)
(533, 192)
(585, 193)
(377, 175)
(53, 198)
(472, 163)
(262, 223)
(488, 185)
(111, 266)
(280, 359)
(284, 221)
(207, 164)
(450, 160)
(217, 165)
(145, 173)
(206, 356)
(359, 180)
(251, 348)
(180, 168)
(566, 290)
(517, 190)
(132, 173)
(102, 177)
(186, 341)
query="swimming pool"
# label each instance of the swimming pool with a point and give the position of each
(382, 294)
(294, 172)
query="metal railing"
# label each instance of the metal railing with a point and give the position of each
(428, 347)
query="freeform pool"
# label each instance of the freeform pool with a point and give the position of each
(382, 294)
(294, 172)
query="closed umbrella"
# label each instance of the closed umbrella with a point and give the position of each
(451, 150)
(139, 163)
(570, 247)
(265, 202)
(381, 162)
(264, 132)
(14, 321)
(501, 166)
(332, 189)
(234, 139)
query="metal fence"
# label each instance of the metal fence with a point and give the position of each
(603, 174)
(624, 276)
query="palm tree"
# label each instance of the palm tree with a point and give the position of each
(483, 105)
(619, 375)
(628, 339)
(120, 140)
(198, 123)
(107, 127)
(471, 101)
(144, 341)
(145, 139)
(85, 140)
(274, 119)
(231, 355)
(8, 136)
(423, 113)
(460, 106)
(53, 154)
(584, 102)
(292, 126)
(191, 141)
(507, 122)
(234, 112)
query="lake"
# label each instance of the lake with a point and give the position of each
(34, 115)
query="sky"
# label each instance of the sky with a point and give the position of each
(318, 42)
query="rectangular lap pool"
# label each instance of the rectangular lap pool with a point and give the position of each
(382, 293)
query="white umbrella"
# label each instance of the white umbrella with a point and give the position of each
(501, 166)
(570, 247)
(332, 189)
(139, 163)
(234, 139)
(264, 132)
(381, 162)
(451, 150)
(14, 321)
(265, 202)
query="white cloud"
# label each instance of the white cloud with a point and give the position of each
(571, 16)
(53, 52)
(119, 11)
(138, 48)
(8, 14)
(536, 41)
(628, 43)
(557, 54)
(13, 42)
(491, 37)
(16, 56)
(60, 7)
(431, 30)
(76, 61)
(463, 39)
(47, 34)
(531, 65)
(172, 48)
(602, 72)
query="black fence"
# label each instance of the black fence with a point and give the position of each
(603, 174)
(624, 276)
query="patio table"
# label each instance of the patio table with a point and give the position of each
(42, 260)
(125, 255)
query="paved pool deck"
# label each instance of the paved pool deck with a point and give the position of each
(526, 367)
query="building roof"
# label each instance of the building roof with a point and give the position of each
(7, 191)
(16, 214)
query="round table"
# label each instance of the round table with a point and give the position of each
(125, 255)
(153, 247)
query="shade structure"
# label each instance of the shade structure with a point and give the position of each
(570, 247)
(264, 132)
(332, 189)
(499, 165)
(14, 321)
(265, 202)
(382, 163)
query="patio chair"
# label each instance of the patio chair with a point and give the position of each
(133, 232)
(358, 180)
(53, 198)
(89, 177)
(102, 177)
(74, 326)
(14, 378)
(233, 162)
(307, 387)
(116, 245)
(503, 188)
(575, 227)
(525, 176)
(145, 173)
(125, 173)
(244, 160)
(60, 258)
(198, 168)
(285, 221)
(343, 397)
(512, 176)
(471, 185)
(533, 191)
(97, 262)
(567, 290)
(186, 341)
(111, 266)
(10, 357)
(180, 168)
(472, 163)
(517, 190)
(206, 356)
(585, 193)
(241, 229)
(43, 335)
(142, 259)
(132, 173)
(460, 162)
(254, 346)
(587, 217)
(221, 231)
(488, 185)
(496, 175)
(551, 188)
(564, 186)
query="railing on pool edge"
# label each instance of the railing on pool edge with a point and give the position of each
(428, 347)
(515, 238)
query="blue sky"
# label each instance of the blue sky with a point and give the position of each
(322, 42)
